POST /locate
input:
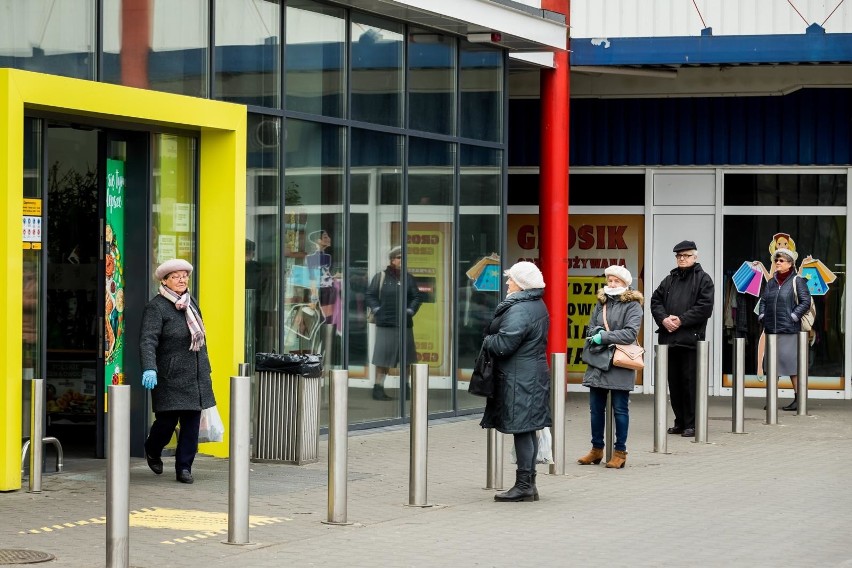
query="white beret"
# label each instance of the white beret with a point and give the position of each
(526, 275)
(170, 266)
(619, 272)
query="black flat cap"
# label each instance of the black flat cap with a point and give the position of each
(685, 245)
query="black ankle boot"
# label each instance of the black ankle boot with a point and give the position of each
(534, 487)
(792, 406)
(379, 393)
(522, 491)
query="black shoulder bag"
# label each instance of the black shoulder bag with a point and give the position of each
(482, 378)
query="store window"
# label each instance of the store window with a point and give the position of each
(49, 37)
(377, 70)
(789, 190)
(248, 42)
(583, 189)
(432, 81)
(481, 92)
(315, 71)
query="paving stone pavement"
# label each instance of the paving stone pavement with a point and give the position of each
(775, 496)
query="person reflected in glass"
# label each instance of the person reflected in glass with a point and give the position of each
(517, 342)
(781, 310)
(623, 318)
(324, 288)
(173, 350)
(383, 300)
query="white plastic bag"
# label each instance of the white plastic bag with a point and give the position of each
(545, 451)
(211, 429)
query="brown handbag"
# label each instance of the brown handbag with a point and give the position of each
(626, 356)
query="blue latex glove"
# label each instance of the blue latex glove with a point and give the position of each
(596, 338)
(149, 379)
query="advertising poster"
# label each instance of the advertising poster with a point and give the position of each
(114, 272)
(426, 249)
(594, 242)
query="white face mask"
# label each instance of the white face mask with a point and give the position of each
(614, 291)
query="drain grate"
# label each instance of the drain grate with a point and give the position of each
(20, 556)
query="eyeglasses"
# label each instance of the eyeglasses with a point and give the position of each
(784, 260)
(176, 277)
(682, 256)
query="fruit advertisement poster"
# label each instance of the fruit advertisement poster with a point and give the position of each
(114, 273)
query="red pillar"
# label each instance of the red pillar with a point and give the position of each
(553, 191)
(135, 42)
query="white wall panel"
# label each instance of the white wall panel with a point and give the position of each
(663, 18)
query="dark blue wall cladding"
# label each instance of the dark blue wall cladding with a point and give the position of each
(807, 127)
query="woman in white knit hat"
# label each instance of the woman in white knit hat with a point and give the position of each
(176, 368)
(517, 343)
(623, 315)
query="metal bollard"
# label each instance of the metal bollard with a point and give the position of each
(738, 398)
(36, 434)
(338, 447)
(244, 369)
(609, 426)
(118, 478)
(419, 435)
(557, 406)
(772, 378)
(238, 463)
(802, 392)
(701, 384)
(661, 385)
(494, 458)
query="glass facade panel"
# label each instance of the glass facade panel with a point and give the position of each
(478, 266)
(157, 45)
(481, 92)
(820, 237)
(429, 258)
(432, 81)
(378, 75)
(173, 230)
(792, 190)
(376, 228)
(248, 43)
(315, 73)
(49, 37)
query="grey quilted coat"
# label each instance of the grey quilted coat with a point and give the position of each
(517, 341)
(624, 315)
(183, 376)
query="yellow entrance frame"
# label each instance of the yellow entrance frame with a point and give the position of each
(221, 238)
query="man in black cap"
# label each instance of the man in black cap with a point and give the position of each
(681, 306)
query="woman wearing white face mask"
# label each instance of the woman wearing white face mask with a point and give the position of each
(623, 319)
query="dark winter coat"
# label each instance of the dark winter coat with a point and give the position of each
(624, 317)
(183, 376)
(688, 294)
(384, 303)
(517, 342)
(779, 312)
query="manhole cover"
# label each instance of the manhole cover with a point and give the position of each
(20, 556)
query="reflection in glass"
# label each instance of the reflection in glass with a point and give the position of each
(143, 47)
(377, 73)
(376, 229)
(263, 236)
(792, 190)
(432, 81)
(49, 37)
(316, 58)
(429, 259)
(481, 86)
(481, 176)
(823, 238)
(248, 40)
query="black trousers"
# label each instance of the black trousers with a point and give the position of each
(682, 367)
(161, 432)
(526, 450)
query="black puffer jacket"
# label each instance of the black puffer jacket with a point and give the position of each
(385, 302)
(688, 294)
(183, 376)
(517, 339)
(779, 312)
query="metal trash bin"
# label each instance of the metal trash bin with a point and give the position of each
(288, 408)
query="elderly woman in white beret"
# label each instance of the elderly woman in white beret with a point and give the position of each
(623, 318)
(176, 368)
(517, 344)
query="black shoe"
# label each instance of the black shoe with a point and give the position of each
(689, 433)
(523, 490)
(792, 406)
(156, 464)
(184, 476)
(675, 430)
(379, 393)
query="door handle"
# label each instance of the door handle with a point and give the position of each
(101, 339)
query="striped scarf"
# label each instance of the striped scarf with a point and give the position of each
(193, 318)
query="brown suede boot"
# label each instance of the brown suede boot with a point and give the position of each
(618, 460)
(594, 456)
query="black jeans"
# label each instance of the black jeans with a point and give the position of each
(526, 450)
(682, 367)
(161, 432)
